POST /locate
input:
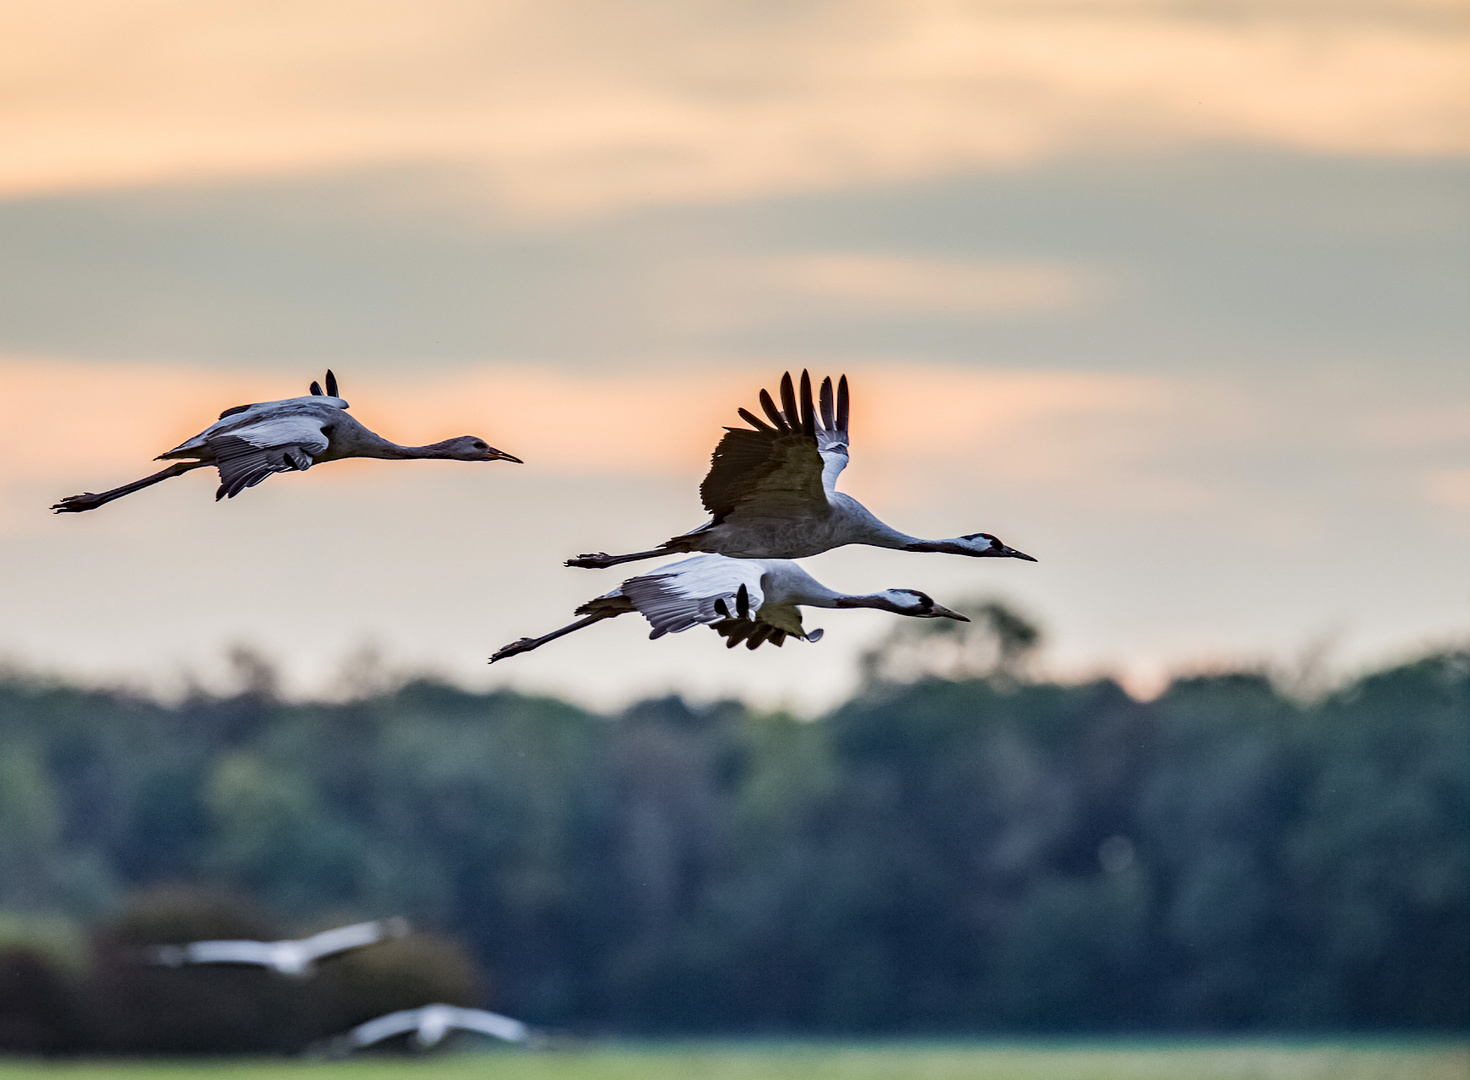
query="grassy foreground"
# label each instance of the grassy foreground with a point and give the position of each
(831, 1061)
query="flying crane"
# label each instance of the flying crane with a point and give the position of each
(430, 1024)
(250, 442)
(294, 958)
(771, 491)
(749, 600)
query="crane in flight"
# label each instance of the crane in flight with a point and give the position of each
(250, 442)
(749, 600)
(771, 491)
(430, 1024)
(293, 958)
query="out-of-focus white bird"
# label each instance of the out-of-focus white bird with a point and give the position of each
(771, 491)
(431, 1023)
(749, 600)
(294, 958)
(250, 442)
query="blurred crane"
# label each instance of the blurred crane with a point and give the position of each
(772, 491)
(294, 958)
(430, 1024)
(750, 600)
(250, 442)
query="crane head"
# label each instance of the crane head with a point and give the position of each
(917, 604)
(986, 546)
(474, 448)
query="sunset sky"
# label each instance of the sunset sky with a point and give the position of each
(1172, 294)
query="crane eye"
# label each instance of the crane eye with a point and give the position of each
(480, 446)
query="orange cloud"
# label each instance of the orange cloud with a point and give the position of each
(70, 424)
(577, 106)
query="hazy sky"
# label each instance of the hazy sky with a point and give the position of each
(1172, 295)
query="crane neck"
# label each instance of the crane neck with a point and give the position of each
(372, 445)
(882, 601)
(951, 546)
(881, 535)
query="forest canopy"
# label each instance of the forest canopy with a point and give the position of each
(961, 848)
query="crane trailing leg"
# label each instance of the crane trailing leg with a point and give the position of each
(75, 504)
(602, 560)
(526, 644)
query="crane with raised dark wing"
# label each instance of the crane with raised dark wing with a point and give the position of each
(771, 490)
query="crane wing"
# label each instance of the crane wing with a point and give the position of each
(246, 454)
(230, 952)
(691, 592)
(385, 1027)
(489, 1023)
(784, 468)
(343, 938)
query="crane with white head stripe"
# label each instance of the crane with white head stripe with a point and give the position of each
(771, 490)
(743, 600)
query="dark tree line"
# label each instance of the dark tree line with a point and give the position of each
(974, 852)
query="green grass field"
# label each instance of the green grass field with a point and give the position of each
(831, 1061)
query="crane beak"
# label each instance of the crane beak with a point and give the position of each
(1012, 553)
(501, 455)
(942, 612)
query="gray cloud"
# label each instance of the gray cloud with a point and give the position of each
(1236, 259)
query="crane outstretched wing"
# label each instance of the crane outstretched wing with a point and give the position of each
(385, 1027)
(784, 468)
(217, 952)
(246, 454)
(694, 591)
(490, 1023)
(352, 937)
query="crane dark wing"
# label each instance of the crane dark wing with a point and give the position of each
(783, 468)
(751, 631)
(247, 454)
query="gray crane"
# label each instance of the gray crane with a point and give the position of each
(251, 442)
(771, 491)
(749, 600)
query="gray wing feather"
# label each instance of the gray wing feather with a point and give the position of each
(248, 454)
(691, 592)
